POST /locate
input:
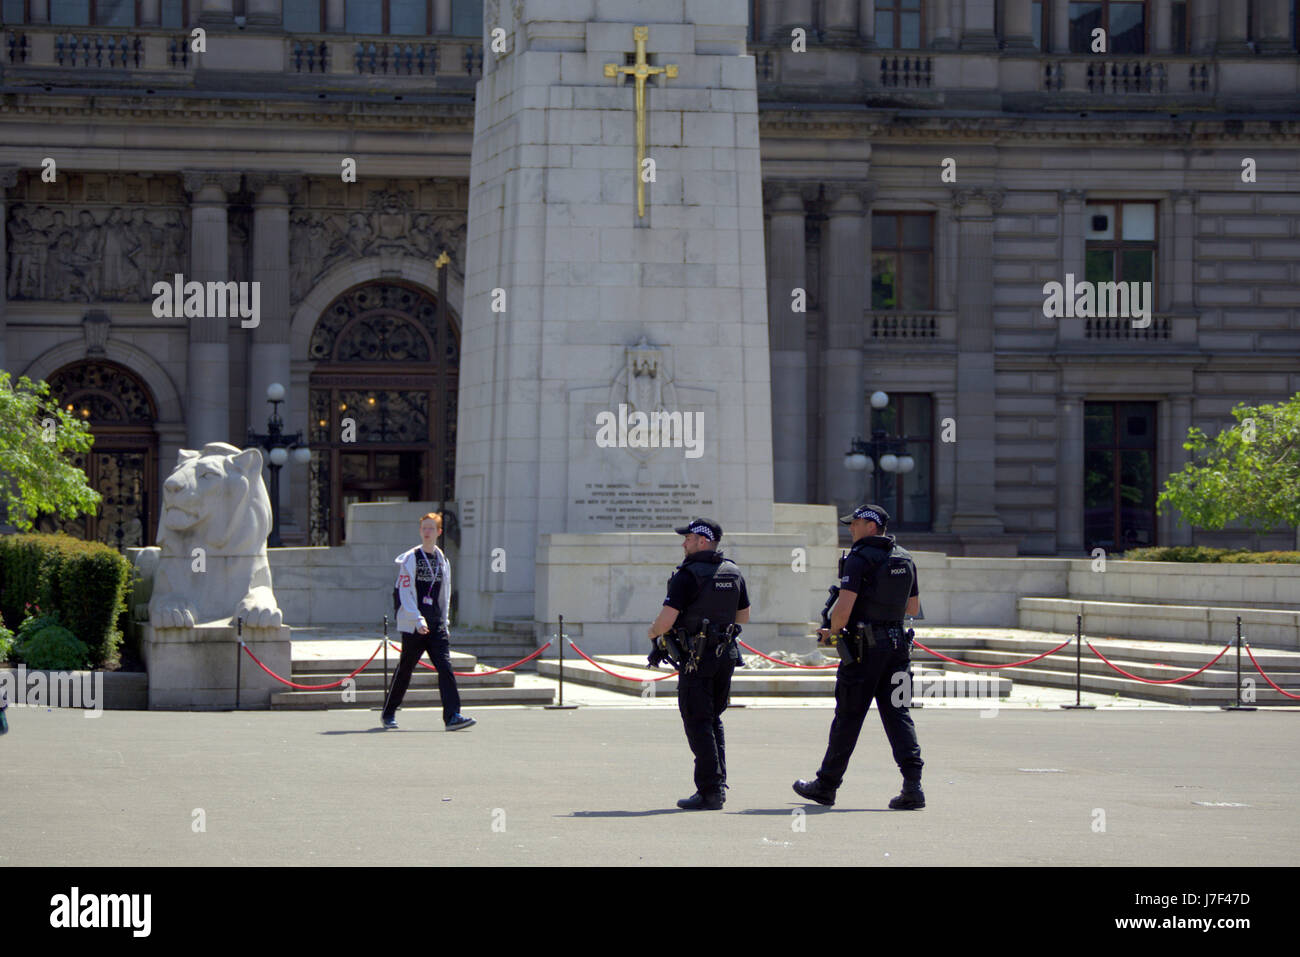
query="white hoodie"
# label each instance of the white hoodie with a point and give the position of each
(409, 616)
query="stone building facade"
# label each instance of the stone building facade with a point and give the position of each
(928, 166)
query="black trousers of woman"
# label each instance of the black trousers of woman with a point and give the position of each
(438, 647)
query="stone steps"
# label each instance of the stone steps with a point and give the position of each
(1147, 659)
(1203, 624)
(415, 697)
(776, 682)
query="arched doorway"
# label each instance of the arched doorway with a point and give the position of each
(122, 465)
(382, 404)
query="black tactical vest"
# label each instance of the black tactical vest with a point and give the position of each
(887, 584)
(718, 596)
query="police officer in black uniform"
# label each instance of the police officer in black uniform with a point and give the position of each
(877, 587)
(696, 629)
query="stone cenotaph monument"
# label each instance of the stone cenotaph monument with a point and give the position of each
(614, 373)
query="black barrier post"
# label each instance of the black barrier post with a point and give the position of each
(561, 706)
(1238, 706)
(239, 658)
(385, 659)
(1078, 669)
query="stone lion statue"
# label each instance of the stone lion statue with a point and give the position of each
(216, 514)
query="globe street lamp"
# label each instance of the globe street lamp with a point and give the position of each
(278, 445)
(889, 453)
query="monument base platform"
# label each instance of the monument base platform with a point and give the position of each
(193, 669)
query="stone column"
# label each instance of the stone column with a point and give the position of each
(975, 511)
(264, 12)
(442, 16)
(978, 32)
(1017, 28)
(335, 18)
(8, 177)
(840, 19)
(788, 331)
(1072, 241)
(845, 246)
(208, 371)
(867, 23)
(1069, 474)
(269, 352)
(1202, 16)
(1059, 24)
(941, 13)
(796, 13)
(150, 13)
(1232, 29)
(1184, 257)
(1273, 30)
(1173, 531)
(769, 23)
(1162, 35)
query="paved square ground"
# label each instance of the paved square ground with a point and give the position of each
(597, 785)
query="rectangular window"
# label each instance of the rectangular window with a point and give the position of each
(174, 14)
(908, 496)
(302, 16)
(902, 261)
(407, 17)
(1119, 489)
(899, 24)
(115, 13)
(1123, 21)
(1178, 28)
(467, 18)
(12, 11)
(363, 16)
(1038, 24)
(1120, 243)
(70, 13)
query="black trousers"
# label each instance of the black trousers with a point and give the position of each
(855, 686)
(439, 648)
(701, 701)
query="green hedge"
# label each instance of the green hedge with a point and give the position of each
(1200, 553)
(83, 583)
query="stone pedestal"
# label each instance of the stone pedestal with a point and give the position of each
(193, 669)
(581, 306)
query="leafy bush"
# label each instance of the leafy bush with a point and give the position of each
(6, 641)
(84, 583)
(54, 648)
(1201, 553)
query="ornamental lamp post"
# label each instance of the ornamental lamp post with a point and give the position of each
(882, 453)
(278, 445)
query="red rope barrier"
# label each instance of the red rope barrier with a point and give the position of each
(1013, 664)
(612, 674)
(788, 664)
(475, 674)
(333, 684)
(1266, 677)
(1161, 681)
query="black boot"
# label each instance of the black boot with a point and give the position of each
(912, 798)
(814, 790)
(712, 801)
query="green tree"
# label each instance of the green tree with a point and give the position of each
(1250, 472)
(35, 439)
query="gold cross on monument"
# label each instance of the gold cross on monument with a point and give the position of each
(640, 71)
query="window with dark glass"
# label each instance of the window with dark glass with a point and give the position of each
(909, 496)
(467, 18)
(400, 17)
(1038, 24)
(1123, 20)
(899, 24)
(1120, 243)
(1119, 475)
(304, 16)
(902, 261)
(1178, 28)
